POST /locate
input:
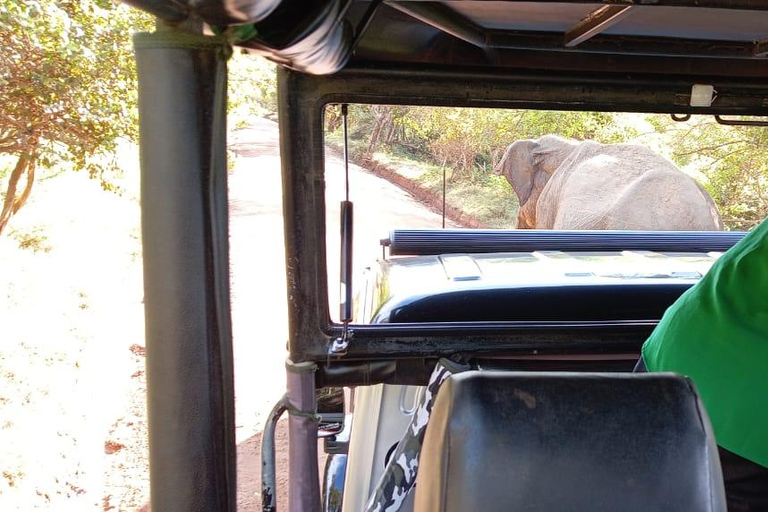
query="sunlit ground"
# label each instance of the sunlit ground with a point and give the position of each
(71, 367)
(72, 384)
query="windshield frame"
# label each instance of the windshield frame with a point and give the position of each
(301, 103)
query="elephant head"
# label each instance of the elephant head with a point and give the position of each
(527, 165)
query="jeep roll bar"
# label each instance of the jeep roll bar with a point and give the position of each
(415, 53)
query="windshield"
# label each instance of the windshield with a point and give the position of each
(430, 167)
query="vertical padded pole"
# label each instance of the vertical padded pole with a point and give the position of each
(190, 388)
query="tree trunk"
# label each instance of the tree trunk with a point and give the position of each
(392, 131)
(13, 200)
(374, 136)
(382, 120)
(333, 118)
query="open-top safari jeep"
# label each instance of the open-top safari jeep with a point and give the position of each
(547, 326)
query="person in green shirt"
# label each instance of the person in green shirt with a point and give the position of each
(717, 334)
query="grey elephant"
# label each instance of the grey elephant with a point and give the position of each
(568, 184)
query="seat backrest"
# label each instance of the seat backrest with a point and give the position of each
(569, 441)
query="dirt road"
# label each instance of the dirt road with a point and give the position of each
(72, 384)
(259, 310)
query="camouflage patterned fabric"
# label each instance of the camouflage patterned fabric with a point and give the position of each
(399, 476)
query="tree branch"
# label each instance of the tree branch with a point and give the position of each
(710, 148)
(711, 164)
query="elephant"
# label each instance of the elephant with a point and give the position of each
(567, 184)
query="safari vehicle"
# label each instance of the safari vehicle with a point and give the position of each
(549, 415)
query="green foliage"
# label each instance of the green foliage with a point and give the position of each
(731, 158)
(471, 140)
(729, 161)
(68, 76)
(68, 83)
(252, 88)
(489, 200)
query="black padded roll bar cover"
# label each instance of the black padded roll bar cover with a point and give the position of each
(190, 386)
(568, 441)
(311, 37)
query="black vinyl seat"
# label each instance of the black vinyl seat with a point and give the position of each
(568, 442)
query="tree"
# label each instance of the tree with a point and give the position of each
(252, 88)
(472, 140)
(732, 160)
(67, 79)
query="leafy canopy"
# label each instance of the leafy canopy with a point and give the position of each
(731, 158)
(68, 83)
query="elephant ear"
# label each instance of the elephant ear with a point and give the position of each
(551, 151)
(517, 167)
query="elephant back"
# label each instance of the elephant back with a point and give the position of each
(623, 186)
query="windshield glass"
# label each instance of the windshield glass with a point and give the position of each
(429, 167)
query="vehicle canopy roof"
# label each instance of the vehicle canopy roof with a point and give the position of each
(640, 56)
(708, 38)
(644, 56)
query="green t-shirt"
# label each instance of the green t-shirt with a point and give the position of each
(717, 334)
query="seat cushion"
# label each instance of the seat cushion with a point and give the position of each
(568, 441)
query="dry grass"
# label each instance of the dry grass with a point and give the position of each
(489, 199)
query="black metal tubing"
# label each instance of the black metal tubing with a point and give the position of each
(623, 45)
(301, 154)
(680, 118)
(740, 122)
(301, 102)
(427, 47)
(612, 92)
(347, 234)
(443, 18)
(190, 385)
(750, 5)
(268, 473)
(364, 22)
(444, 339)
(346, 260)
(299, 400)
(583, 38)
(239, 11)
(304, 484)
(596, 22)
(404, 242)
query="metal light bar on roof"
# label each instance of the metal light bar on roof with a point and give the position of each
(403, 242)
